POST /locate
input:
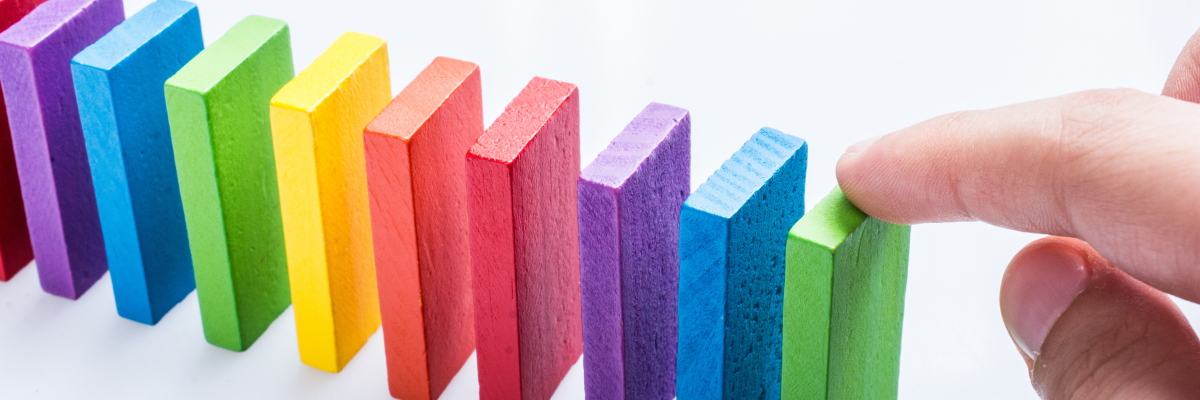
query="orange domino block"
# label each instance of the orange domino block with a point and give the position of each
(521, 177)
(417, 182)
(317, 121)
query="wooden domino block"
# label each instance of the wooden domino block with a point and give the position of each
(219, 109)
(317, 121)
(521, 178)
(843, 304)
(56, 183)
(15, 249)
(417, 180)
(119, 87)
(629, 201)
(732, 236)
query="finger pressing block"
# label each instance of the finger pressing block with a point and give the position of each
(843, 304)
(119, 84)
(15, 249)
(732, 235)
(417, 180)
(317, 120)
(219, 109)
(56, 182)
(629, 200)
(521, 178)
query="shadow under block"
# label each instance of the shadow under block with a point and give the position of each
(732, 237)
(119, 87)
(56, 183)
(843, 304)
(15, 249)
(415, 153)
(219, 109)
(317, 121)
(629, 202)
(521, 178)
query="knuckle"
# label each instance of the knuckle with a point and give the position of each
(957, 121)
(1090, 113)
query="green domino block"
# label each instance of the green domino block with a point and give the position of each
(843, 304)
(219, 109)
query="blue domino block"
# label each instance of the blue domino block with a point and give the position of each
(732, 240)
(119, 86)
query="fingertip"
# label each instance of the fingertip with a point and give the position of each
(856, 172)
(1183, 82)
(1040, 283)
(881, 174)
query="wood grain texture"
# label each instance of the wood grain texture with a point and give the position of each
(56, 183)
(119, 86)
(733, 232)
(218, 106)
(415, 153)
(521, 178)
(16, 251)
(843, 303)
(317, 121)
(629, 202)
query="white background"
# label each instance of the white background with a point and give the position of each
(832, 72)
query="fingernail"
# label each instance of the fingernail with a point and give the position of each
(860, 146)
(1040, 284)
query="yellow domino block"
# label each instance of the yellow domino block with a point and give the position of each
(317, 121)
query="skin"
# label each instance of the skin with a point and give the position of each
(1113, 175)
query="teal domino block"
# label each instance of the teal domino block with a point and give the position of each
(733, 231)
(119, 88)
(843, 304)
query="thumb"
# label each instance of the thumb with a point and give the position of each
(1089, 330)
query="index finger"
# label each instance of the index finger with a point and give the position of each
(1119, 169)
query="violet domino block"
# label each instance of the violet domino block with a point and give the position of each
(56, 183)
(629, 202)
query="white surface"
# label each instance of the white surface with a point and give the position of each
(831, 72)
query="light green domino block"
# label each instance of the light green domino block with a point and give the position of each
(219, 108)
(843, 304)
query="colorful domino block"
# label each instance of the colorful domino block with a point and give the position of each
(521, 178)
(15, 249)
(843, 304)
(317, 121)
(118, 84)
(629, 202)
(733, 232)
(417, 180)
(218, 106)
(56, 183)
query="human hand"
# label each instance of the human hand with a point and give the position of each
(1114, 175)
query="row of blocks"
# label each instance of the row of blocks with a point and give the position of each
(176, 167)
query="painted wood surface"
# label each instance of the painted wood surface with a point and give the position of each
(119, 86)
(16, 251)
(521, 178)
(415, 152)
(843, 304)
(56, 182)
(733, 232)
(218, 106)
(629, 202)
(317, 121)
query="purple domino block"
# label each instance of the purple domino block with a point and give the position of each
(56, 182)
(629, 202)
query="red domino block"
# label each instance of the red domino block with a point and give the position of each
(16, 251)
(417, 182)
(521, 178)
